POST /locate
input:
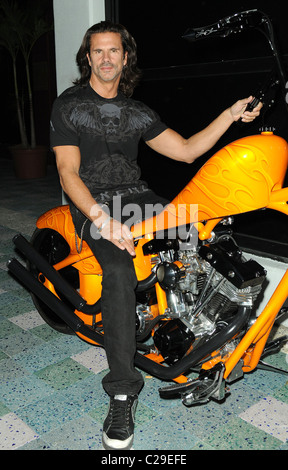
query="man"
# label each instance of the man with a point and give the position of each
(95, 131)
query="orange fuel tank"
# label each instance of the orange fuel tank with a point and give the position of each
(243, 176)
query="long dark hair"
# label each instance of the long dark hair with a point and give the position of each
(130, 74)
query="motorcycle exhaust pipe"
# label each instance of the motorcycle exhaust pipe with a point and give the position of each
(147, 283)
(44, 294)
(57, 280)
(61, 284)
(61, 309)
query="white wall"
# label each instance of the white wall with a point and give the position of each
(72, 18)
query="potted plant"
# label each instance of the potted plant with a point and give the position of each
(21, 25)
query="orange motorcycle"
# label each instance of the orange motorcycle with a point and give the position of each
(196, 294)
(195, 297)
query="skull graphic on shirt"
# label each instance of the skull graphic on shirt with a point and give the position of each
(110, 117)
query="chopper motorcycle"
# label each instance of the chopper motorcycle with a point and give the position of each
(197, 290)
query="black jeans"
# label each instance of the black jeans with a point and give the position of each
(118, 300)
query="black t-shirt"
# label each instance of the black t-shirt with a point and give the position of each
(107, 131)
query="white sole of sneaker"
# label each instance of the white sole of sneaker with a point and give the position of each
(115, 444)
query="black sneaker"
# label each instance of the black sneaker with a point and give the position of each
(118, 428)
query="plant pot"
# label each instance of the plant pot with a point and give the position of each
(29, 163)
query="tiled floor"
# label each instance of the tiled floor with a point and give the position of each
(50, 392)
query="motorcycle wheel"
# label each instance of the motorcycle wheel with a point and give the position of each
(54, 248)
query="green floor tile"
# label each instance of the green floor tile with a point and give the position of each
(45, 332)
(20, 343)
(8, 328)
(3, 356)
(282, 393)
(239, 435)
(3, 409)
(63, 374)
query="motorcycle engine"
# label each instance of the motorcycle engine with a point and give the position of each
(205, 285)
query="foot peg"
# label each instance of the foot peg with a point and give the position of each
(209, 384)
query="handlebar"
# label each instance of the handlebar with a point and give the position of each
(237, 23)
(230, 24)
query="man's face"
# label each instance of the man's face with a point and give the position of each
(106, 57)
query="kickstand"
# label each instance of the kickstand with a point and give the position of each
(271, 348)
(264, 366)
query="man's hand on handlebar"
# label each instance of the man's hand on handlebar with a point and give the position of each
(238, 110)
